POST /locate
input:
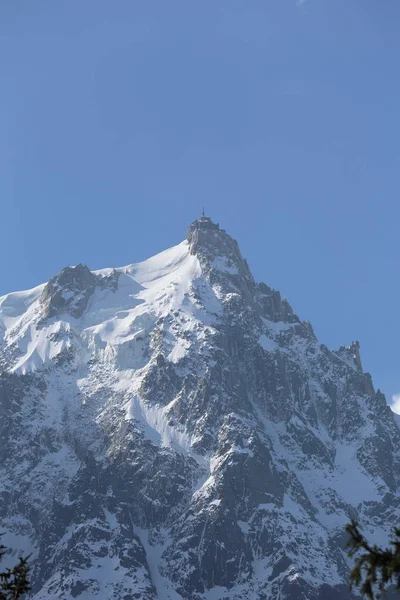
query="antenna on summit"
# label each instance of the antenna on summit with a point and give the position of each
(203, 214)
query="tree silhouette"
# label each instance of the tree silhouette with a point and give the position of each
(375, 568)
(14, 582)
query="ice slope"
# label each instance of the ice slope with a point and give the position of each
(146, 292)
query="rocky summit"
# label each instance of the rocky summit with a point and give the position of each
(172, 430)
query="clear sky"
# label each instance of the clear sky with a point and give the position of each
(120, 120)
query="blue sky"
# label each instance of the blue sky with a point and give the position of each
(120, 120)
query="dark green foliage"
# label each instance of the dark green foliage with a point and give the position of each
(14, 582)
(375, 569)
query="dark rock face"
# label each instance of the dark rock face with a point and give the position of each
(199, 442)
(70, 291)
(351, 354)
(219, 253)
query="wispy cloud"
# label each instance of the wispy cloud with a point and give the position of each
(395, 405)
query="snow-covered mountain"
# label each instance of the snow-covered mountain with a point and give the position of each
(171, 430)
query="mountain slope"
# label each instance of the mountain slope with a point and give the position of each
(171, 430)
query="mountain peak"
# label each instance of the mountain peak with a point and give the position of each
(202, 230)
(220, 256)
(216, 247)
(178, 417)
(69, 290)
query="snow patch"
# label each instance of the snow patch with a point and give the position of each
(267, 344)
(153, 421)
